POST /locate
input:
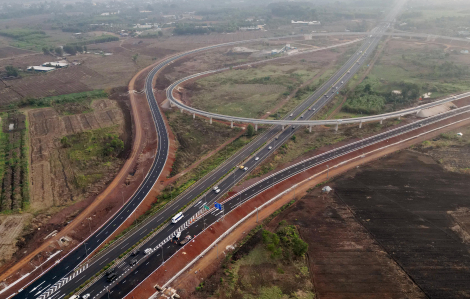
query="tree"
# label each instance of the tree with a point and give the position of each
(250, 131)
(134, 57)
(12, 71)
(79, 49)
(45, 51)
(293, 138)
(160, 33)
(59, 51)
(72, 50)
(367, 88)
(85, 49)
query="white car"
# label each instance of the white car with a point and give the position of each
(148, 251)
(215, 188)
(257, 158)
(292, 114)
(245, 169)
(270, 147)
(217, 191)
(86, 296)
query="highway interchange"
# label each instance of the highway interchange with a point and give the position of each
(43, 286)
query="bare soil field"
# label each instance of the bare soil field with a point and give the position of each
(418, 213)
(55, 172)
(11, 227)
(10, 51)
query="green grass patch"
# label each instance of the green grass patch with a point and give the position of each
(90, 151)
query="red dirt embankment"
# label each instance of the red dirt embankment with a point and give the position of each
(186, 283)
(100, 208)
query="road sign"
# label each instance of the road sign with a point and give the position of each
(218, 206)
(206, 207)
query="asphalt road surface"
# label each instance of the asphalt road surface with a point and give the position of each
(58, 282)
(130, 275)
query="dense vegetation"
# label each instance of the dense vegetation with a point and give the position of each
(62, 99)
(14, 163)
(365, 99)
(285, 242)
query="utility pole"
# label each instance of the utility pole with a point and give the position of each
(163, 260)
(327, 171)
(86, 250)
(122, 196)
(256, 214)
(217, 245)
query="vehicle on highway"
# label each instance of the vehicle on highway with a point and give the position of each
(292, 114)
(177, 217)
(217, 191)
(257, 158)
(185, 240)
(270, 147)
(86, 296)
(215, 188)
(178, 235)
(74, 297)
(245, 169)
(302, 116)
(110, 271)
(349, 72)
(313, 109)
(148, 251)
(133, 262)
(135, 252)
(241, 167)
(112, 277)
(342, 82)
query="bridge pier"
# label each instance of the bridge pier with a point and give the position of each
(336, 129)
(194, 115)
(360, 125)
(282, 127)
(210, 120)
(256, 127)
(381, 121)
(231, 125)
(310, 129)
(181, 110)
(399, 117)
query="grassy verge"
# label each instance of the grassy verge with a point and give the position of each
(263, 265)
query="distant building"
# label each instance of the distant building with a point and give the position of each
(40, 69)
(251, 28)
(56, 64)
(305, 22)
(464, 52)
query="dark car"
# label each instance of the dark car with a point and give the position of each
(136, 252)
(111, 277)
(133, 262)
(109, 271)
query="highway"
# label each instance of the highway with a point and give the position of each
(60, 280)
(145, 265)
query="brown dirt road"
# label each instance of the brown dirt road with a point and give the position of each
(109, 201)
(186, 283)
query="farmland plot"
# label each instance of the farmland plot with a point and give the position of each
(67, 161)
(14, 163)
